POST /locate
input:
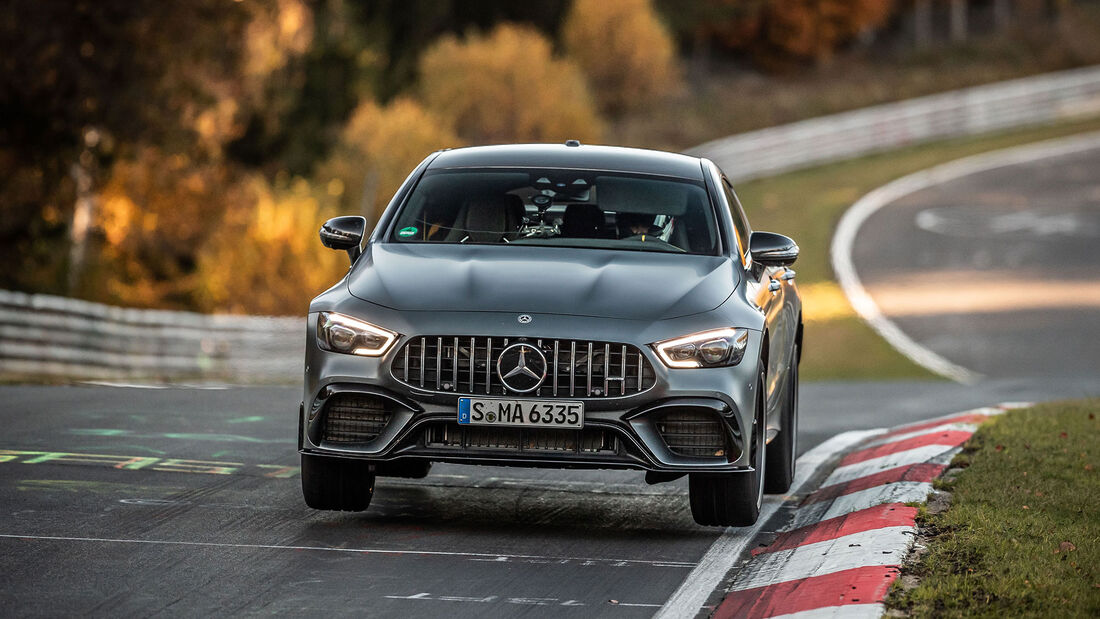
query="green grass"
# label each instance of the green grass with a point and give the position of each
(807, 205)
(1022, 535)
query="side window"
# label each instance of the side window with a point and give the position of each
(740, 223)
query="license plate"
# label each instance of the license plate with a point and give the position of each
(527, 413)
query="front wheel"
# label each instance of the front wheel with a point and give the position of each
(784, 447)
(733, 499)
(336, 484)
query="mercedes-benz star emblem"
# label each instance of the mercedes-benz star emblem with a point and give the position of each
(521, 367)
(524, 319)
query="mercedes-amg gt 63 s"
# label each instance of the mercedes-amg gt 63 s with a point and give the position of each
(560, 306)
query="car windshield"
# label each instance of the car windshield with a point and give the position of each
(563, 208)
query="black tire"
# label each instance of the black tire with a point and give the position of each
(733, 499)
(783, 449)
(336, 484)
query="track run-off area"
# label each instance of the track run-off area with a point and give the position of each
(128, 500)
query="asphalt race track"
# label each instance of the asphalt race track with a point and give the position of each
(998, 271)
(126, 501)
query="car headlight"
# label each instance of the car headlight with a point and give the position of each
(708, 349)
(340, 333)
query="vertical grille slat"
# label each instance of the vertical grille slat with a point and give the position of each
(488, 365)
(574, 368)
(473, 360)
(588, 365)
(555, 392)
(606, 366)
(622, 372)
(423, 354)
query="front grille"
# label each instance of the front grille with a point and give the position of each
(530, 440)
(690, 433)
(576, 368)
(354, 418)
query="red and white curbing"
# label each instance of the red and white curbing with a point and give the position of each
(847, 540)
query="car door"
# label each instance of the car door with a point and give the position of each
(772, 293)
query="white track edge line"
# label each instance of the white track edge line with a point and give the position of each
(858, 213)
(372, 551)
(693, 592)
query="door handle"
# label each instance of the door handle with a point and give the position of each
(774, 286)
(788, 275)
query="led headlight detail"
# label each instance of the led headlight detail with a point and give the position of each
(344, 334)
(708, 349)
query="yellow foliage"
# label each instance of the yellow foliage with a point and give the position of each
(624, 49)
(507, 86)
(266, 258)
(378, 148)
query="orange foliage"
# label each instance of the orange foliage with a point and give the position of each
(507, 86)
(624, 49)
(776, 32)
(265, 257)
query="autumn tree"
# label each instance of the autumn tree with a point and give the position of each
(779, 33)
(377, 149)
(506, 86)
(624, 50)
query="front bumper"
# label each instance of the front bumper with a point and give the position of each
(619, 432)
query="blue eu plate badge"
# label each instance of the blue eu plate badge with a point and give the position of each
(464, 410)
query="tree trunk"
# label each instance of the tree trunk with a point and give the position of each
(83, 213)
(922, 23)
(1002, 14)
(959, 14)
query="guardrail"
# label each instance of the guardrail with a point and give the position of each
(1017, 103)
(44, 335)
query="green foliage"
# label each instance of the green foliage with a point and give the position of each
(1020, 538)
(624, 49)
(506, 86)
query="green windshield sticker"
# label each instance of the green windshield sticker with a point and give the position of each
(405, 232)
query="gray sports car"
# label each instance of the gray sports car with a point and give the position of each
(560, 306)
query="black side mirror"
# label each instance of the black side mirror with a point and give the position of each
(344, 233)
(772, 250)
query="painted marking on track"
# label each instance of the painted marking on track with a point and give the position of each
(854, 218)
(924, 471)
(947, 427)
(199, 386)
(829, 556)
(596, 561)
(815, 598)
(902, 492)
(950, 438)
(889, 515)
(909, 457)
(132, 463)
(182, 436)
(728, 548)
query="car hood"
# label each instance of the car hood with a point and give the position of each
(549, 280)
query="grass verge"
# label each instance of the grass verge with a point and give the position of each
(1022, 534)
(807, 204)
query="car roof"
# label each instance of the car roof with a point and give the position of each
(614, 158)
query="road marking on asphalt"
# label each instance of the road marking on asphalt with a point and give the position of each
(732, 543)
(582, 561)
(858, 213)
(108, 383)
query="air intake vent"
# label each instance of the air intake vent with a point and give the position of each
(454, 436)
(574, 368)
(691, 433)
(354, 418)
